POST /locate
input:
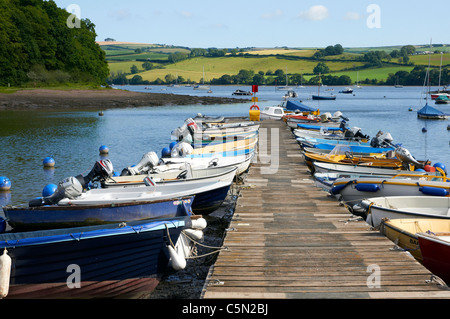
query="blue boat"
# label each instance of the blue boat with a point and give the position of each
(356, 148)
(310, 142)
(429, 112)
(114, 260)
(318, 127)
(296, 105)
(55, 216)
(321, 97)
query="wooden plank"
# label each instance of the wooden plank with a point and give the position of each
(288, 239)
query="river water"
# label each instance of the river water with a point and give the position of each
(73, 138)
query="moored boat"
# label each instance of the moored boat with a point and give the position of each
(431, 113)
(114, 260)
(435, 250)
(272, 112)
(353, 191)
(403, 232)
(400, 207)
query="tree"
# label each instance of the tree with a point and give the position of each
(147, 66)
(321, 67)
(134, 69)
(34, 32)
(258, 79)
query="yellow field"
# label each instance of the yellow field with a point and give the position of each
(435, 59)
(295, 52)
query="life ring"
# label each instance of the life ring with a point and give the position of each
(254, 107)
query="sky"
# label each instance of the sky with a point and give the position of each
(268, 23)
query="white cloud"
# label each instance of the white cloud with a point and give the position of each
(187, 14)
(276, 14)
(352, 16)
(120, 15)
(315, 13)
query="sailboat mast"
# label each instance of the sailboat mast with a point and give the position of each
(440, 70)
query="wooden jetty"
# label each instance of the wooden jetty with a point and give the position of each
(288, 239)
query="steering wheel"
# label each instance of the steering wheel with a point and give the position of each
(182, 175)
(349, 154)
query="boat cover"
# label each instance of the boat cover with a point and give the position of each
(296, 105)
(430, 111)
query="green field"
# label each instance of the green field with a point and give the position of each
(122, 57)
(216, 67)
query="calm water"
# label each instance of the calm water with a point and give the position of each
(73, 138)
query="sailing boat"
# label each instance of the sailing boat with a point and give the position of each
(429, 112)
(286, 87)
(357, 81)
(202, 86)
(319, 97)
(440, 97)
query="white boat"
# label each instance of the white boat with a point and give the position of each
(241, 92)
(272, 113)
(323, 167)
(290, 94)
(347, 91)
(151, 190)
(202, 86)
(400, 207)
(193, 131)
(319, 134)
(241, 161)
(354, 190)
(326, 180)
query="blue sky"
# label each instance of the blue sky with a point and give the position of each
(269, 23)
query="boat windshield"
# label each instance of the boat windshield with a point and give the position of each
(340, 149)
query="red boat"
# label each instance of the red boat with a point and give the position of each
(434, 96)
(435, 249)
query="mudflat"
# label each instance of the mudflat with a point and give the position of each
(47, 99)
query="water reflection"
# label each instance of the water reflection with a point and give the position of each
(73, 138)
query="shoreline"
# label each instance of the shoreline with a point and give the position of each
(48, 99)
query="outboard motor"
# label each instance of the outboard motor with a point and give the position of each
(102, 169)
(72, 187)
(148, 161)
(386, 139)
(181, 150)
(69, 187)
(185, 132)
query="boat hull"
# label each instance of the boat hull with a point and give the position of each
(105, 261)
(318, 97)
(49, 217)
(436, 255)
(401, 207)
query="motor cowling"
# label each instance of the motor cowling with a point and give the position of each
(69, 187)
(72, 187)
(147, 162)
(181, 150)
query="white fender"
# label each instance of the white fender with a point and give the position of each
(5, 273)
(196, 234)
(199, 223)
(177, 259)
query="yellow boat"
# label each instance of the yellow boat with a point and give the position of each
(403, 232)
(239, 145)
(369, 160)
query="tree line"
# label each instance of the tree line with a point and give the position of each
(37, 47)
